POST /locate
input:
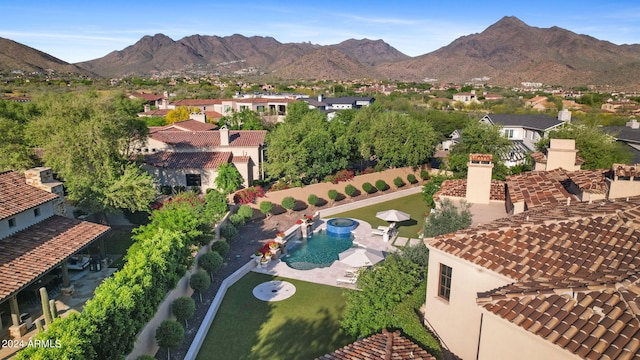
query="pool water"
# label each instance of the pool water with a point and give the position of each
(320, 250)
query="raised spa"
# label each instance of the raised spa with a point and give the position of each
(341, 226)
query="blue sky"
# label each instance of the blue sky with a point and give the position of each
(76, 31)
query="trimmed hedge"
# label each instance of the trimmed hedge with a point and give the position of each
(368, 188)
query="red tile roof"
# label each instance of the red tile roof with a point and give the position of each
(483, 158)
(458, 188)
(593, 315)
(537, 188)
(16, 196)
(625, 170)
(541, 158)
(187, 160)
(209, 139)
(158, 112)
(30, 253)
(196, 102)
(592, 181)
(241, 159)
(387, 345)
(186, 125)
(148, 97)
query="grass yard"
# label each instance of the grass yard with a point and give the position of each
(412, 204)
(303, 326)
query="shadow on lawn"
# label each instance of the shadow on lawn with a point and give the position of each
(304, 339)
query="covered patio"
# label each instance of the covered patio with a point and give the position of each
(35, 257)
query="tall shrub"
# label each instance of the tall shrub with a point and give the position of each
(200, 282)
(333, 195)
(183, 308)
(289, 203)
(313, 200)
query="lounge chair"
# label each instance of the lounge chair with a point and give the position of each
(347, 280)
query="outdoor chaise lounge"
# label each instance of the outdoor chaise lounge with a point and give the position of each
(347, 280)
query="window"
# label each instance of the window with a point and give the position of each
(508, 133)
(193, 180)
(444, 287)
(12, 222)
(260, 108)
(36, 212)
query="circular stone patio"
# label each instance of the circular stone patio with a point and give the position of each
(274, 290)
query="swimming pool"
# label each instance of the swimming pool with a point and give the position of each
(320, 250)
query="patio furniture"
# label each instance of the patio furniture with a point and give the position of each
(347, 280)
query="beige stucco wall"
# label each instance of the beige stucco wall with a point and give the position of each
(623, 188)
(457, 321)
(25, 219)
(501, 339)
(479, 183)
(562, 154)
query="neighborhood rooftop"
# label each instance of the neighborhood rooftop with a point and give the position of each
(207, 139)
(16, 196)
(386, 345)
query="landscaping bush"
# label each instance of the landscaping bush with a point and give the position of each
(196, 189)
(137, 218)
(280, 185)
(221, 247)
(412, 179)
(211, 262)
(245, 211)
(266, 207)
(248, 195)
(169, 335)
(228, 231)
(424, 175)
(236, 220)
(350, 190)
(313, 199)
(368, 170)
(166, 190)
(183, 308)
(333, 195)
(289, 203)
(398, 182)
(381, 185)
(200, 282)
(179, 189)
(368, 188)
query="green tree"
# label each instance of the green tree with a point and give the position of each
(183, 308)
(447, 218)
(266, 207)
(228, 179)
(333, 195)
(211, 262)
(86, 138)
(216, 204)
(221, 247)
(382, 289)
(244, 119)
(289, 203)
(350, 190)
(599, 150)
(169, 335)
(480, 138)
(200, 281)
(313, 200)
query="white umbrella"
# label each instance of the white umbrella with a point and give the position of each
(358, 257)
(393, 215)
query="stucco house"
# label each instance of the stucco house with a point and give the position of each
(339, 103)
(466, 97)
(557, 279)
(188, 153)
(37, 240)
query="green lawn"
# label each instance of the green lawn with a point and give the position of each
(302, 327)
(412, 204)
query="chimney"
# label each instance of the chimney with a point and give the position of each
(201, 117)
(562, 154)
(480, 167)
(320, 97)
(564, 115)
(42, 178)
(224, 136)
(147, 107)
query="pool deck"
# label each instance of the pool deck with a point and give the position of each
(329, 275)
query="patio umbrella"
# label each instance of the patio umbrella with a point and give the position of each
(393, 215)
(358, 257)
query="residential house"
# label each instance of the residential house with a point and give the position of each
(537, 103)
(189, 153)
(339, 103)
(273, 108)
(628, 135)
(35, 239)
(557, 280)
(466, 97)
(524, 131)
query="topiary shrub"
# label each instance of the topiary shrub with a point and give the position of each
(424, 175)
(228, 231)
(200, 282)
(266, 207)
(289, 203)
(350, 190)
(211, 262)
(221, 247)
(333, 195)
(183, 308)
(313, 199)
(169, 334)
(368, 188)
(398, 182)
(245, 211)
(236, 220)
(412, 179)
(381, 185)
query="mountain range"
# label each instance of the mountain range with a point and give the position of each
(507, 53)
